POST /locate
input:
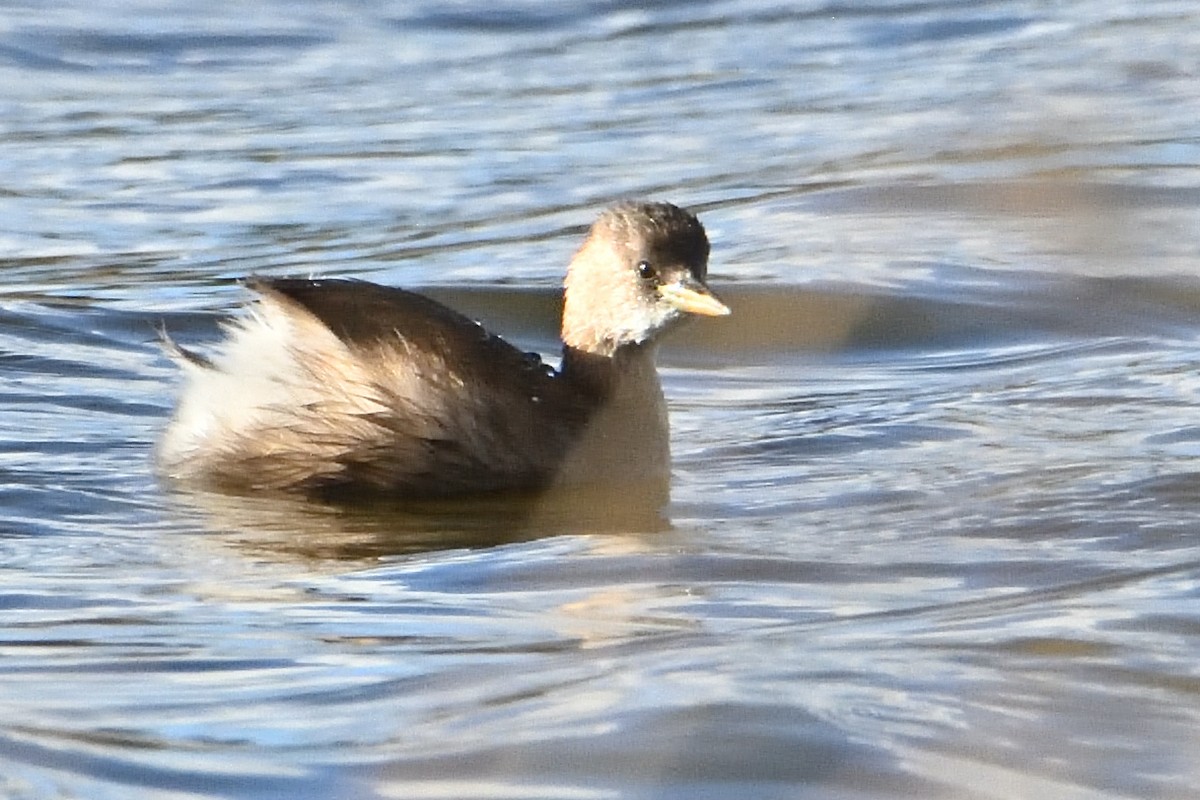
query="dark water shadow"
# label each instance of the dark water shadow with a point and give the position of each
(955, 307)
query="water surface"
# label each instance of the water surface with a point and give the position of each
(933, 519)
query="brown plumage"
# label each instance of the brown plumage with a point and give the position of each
(341, 385)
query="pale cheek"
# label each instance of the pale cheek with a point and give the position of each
(649, 321)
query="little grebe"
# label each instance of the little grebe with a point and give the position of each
(342, 385)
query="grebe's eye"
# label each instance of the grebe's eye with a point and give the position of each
(646, 271)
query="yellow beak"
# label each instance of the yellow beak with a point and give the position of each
(692, 298)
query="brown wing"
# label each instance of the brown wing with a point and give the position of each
(466, 411)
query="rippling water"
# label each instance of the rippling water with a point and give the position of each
(934, 515)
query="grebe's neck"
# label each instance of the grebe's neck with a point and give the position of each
(628, 371)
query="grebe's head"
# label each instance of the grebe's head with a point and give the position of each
(641, 269)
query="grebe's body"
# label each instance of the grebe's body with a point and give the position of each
(338, 385)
